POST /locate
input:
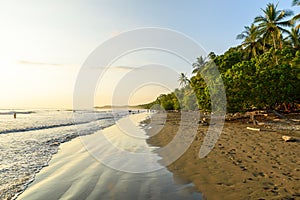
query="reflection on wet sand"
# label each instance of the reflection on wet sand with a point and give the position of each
(75, 173)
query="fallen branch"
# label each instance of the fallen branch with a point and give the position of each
(253, 129)
(289, 139)
(278, 114)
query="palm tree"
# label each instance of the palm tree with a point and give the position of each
(212, 55)
(272, 24)
(293, 37)
(296, 3)
(252, 40)
(183, 80)
(296, 17)
(199, 65)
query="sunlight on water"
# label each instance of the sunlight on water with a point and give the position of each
(28, 141)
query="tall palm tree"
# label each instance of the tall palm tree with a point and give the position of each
(199, 64)
(296, 17)
(293, 37)
(252, 40)
(183, 80)
(272, 24)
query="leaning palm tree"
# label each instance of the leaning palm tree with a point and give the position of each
(199, 65)
(183, 80)
(296, 17)
(252, 41)
(272, 24)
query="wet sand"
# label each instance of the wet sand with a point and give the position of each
(75, 173)
(244, 164)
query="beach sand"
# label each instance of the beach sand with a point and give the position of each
(75, 173)
(244, 164)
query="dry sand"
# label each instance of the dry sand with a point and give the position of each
(74, 173)
(244, 164)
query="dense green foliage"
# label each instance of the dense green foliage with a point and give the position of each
(263, 72)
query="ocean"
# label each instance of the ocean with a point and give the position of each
(28, 141)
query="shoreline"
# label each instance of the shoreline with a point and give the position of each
(57, 145)
(75, 173)
(244, 164)
(39, 147)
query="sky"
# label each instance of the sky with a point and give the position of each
(43, 44)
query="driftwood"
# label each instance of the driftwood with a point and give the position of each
(289, 139)
(286, 138)
(294, 121)
(253, 129)
(278, 114)
(252, 117)
(203, 122)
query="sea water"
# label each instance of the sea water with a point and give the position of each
(28, 141)
(93, 168)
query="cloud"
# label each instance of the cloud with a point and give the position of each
(27, 62)
(124, 67)
(127, 68)
(114, 33)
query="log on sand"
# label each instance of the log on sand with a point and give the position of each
(253, 129)
(289, 139)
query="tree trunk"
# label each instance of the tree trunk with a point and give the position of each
(275, 47)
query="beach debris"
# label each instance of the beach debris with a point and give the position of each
(288, 138)
(235, 116)
(203, 122)
(55, 144)
(279, 115)
(295, 120)
(252, 118)
(253, 129)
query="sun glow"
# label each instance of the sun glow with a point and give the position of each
(28, 85)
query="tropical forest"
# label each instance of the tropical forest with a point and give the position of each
(263, 72)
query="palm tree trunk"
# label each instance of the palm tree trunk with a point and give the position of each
(274, 41)
(275, 48)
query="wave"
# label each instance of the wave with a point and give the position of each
(52, 126)
(17, 112)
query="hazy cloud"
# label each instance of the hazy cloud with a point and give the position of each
(124, 67)
(28, 62)
(115, 68)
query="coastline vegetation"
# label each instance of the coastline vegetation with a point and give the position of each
(263, 72)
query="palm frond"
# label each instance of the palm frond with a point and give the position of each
(272, 24)
(296, 17)
(284, 14)
(296, 3)
(241, 36)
